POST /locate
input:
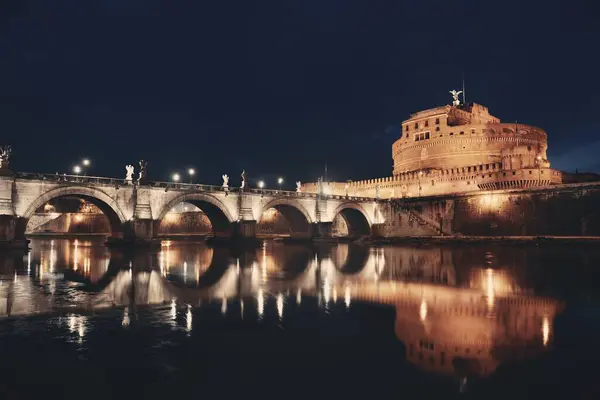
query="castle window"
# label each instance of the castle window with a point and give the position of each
(487, 166)
(406, 128)
(426, 135)
(432, 183)
(451, 133)
(529, 172)
(514, 173)
(504, 173)
(499, 165)
(416, 125)
(437, 121)
(469, 169)
(472, 131)
(437, 129)
(462, 132)
(427, 123)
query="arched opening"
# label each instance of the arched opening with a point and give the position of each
(185, 219)
(72, 211)
(280, 219)
(350, 222)
(194, 215)
(69, 215)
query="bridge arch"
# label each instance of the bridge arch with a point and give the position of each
(99, 198)
(356, 218)
(216, 211)
(294, 212)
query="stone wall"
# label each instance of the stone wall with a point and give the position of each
(193, 222)
(572, 210)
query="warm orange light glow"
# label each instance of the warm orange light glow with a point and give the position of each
(280, 305)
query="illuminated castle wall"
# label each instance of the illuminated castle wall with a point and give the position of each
(457, 149)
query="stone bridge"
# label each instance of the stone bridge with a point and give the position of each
(136, 210)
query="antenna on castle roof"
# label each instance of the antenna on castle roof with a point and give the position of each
(464, 95)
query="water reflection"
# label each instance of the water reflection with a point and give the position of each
(458, 311)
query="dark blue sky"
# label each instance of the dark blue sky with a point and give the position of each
(280, 87)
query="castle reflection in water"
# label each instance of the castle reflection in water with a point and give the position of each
(458, 311)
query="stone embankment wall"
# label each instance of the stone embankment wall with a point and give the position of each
(571, 210)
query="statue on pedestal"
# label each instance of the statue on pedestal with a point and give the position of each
(142, 173)
(298, 187)
(320, 185)
(129, 174)
(225, 181)
(244, 179)
(5, 153)
(377, 192)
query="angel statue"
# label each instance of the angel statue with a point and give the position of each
(243, 185)
(298, 187)
(225, 181)
(5, 152)
(129, 174)
(142, 173)
(455, 100)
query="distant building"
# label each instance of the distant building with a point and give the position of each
(457, 149)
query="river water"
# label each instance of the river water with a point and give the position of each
(285, 320)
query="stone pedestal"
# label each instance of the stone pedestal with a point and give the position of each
(378, 230)
(138, 232)
(10, 236)
(244, 230)
(322, 229)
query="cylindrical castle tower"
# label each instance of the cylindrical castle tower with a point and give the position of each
(454, 137)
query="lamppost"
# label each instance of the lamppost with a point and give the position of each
(86, 163)
(191, 173)
(176, 177)
(279, 182)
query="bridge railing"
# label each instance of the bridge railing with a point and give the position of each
(81, 179)
(70, 178)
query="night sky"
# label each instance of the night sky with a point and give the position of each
(283, 87)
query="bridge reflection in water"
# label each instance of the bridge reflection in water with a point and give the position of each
(456, 314)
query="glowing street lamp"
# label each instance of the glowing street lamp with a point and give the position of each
(176, 177)
(86, 162)
(279, 182)
(261, 184)
(77, 169)
(191, 173)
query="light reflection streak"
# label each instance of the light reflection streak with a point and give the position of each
(545, 331)
(173, 310)
(347, 296)
(125, 322)
(490, 288)
(299, 296)
(260, 303)
(280, 305)
(29, 263)
(423, 310)
(188, 319)
(224, 306)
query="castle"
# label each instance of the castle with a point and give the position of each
(457, 148)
